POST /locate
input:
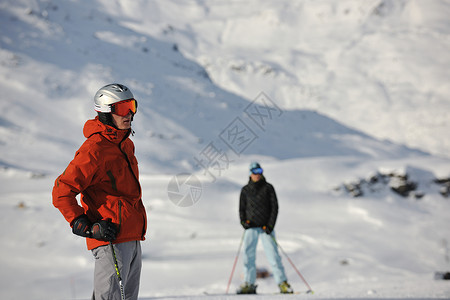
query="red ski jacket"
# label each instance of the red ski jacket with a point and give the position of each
(105, 172)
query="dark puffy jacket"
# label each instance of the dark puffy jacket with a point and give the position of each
(258, 204)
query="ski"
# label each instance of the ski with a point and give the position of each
(258, 294)
(293, 293)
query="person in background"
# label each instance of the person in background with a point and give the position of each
(111, 216)
(258, 211)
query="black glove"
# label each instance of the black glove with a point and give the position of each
(82, 226)
(267, 229)
(104, 230)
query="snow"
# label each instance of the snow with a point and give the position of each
(345, 89)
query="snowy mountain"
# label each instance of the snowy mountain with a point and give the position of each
(379, 66)
(322, 93)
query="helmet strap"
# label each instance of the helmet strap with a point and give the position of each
(106, 118)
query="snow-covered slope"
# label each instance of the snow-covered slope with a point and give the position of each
(326, 92)
(77, 48)
(379, 66)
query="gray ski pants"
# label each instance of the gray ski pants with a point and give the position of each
(106, 283)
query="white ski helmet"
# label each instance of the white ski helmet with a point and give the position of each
(110, 94)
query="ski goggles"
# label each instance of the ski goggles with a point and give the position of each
(257, 171)
(122, 108)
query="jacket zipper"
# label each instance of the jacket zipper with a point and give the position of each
(129, 163)
(120, 215)
(135, 178)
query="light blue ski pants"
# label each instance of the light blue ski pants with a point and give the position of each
(251, 237)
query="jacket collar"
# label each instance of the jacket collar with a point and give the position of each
(258, 183)
(110, 133)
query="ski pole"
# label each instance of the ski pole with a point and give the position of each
(292, 264)
(122, 294)
(235, 261)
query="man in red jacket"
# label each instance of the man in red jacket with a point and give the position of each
(112, 216)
